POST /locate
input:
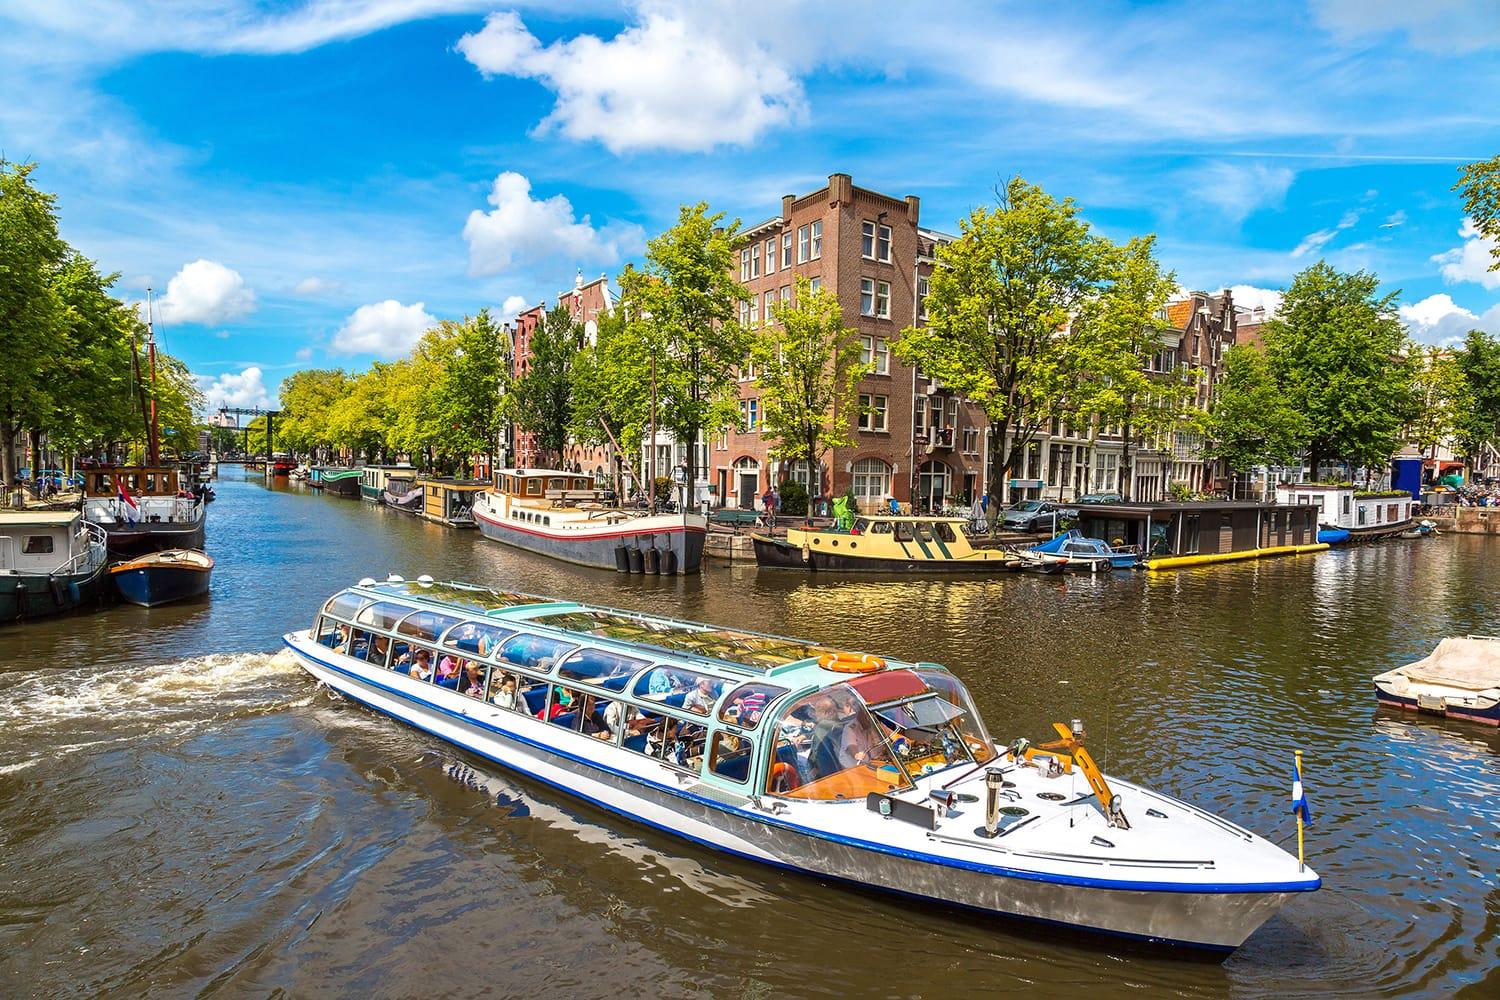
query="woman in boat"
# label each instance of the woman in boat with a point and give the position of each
(448, 672)
(421, 667)
(473, 681)
(505, 694)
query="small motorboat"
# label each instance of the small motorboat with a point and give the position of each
(1029, 561)
(1330, 535)
(163, 577)
(1460, 679)
(1090, 555)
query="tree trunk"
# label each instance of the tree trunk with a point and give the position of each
(1127, 465)
(7, 454)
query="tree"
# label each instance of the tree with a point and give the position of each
(363, 419)
(1479, 416)
(1480, 187)
(307, 398)
(1335, 349)
(1001, 297)
(1111, 343)
(611, 386)
(542, 399)
(808, 369)
(681, 305)
(473, 383)
(1438, 397)
(32, 315)
(1253, 422)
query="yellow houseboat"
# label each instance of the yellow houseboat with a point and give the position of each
(450, 501)
(884, 543)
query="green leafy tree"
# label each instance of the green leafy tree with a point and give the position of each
(99, 405)
(611, 387)
(541, 401)
(1335, 348)
(681, 306)
(1439, 394)
(1110, 345)
(1253, 422)
(1479, 185)
(474, 382)
(1000, 299)
(1479, 415)
(808, 369)
(307, 398)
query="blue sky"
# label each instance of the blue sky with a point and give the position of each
(311, 182)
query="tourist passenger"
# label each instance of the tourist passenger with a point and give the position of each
(701, 699)
(506, 696)
(562, 704)
(473, 682)
(421, 667)
(619, 719)
(448, 672)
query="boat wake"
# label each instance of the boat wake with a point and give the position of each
(53, 713)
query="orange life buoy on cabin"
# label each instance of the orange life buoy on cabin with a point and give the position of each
(784, 778)
(851, 663)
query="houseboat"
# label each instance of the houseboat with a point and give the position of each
(884, 543)
(450, 501)
(1349, 515)
(560, 514)
(337, 481)
(1178, 535)
(403, 493)
(1460, 679)
(373, 480)
(51, 561)
(841, 765)
(163, 577)
(142, 509)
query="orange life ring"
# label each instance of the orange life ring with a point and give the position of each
(850, 663)
(784, 778)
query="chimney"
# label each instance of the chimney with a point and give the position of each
(840, 189)
(786, 207)
(913, 209)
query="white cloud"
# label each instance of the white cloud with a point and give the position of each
(206, 291)
(512, 307)
(245, 388)
(314, 285)
(1240, 189)
(1251, 297)
(661, 84)
(1434, 25)
(385, 329)
(1313, 242)
(521, 226)
(1437, 319)
(1470, 262)
(304, 353)
(1395, 220)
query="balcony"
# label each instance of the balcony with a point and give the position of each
(940, 438)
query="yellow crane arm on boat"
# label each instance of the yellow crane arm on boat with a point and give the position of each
(1069, 750)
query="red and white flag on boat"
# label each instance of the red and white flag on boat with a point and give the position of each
(129, 509)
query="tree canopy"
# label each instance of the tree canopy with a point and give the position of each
(541, 401)
(1479, 186)
(1253, 422)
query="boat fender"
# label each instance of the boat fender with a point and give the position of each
(850, 663)
(59, 591)
(669, 562)
(651, 561)
(636, 561)
(21, 590)
(784, 778)
(622, 559)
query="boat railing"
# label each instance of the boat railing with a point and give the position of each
(94, 552)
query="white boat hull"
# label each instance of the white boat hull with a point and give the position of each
(646, 791)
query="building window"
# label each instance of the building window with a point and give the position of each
(971, 440)
(754, 311)
(883, 299)
(801, 471)
(924, 287)
(867, 296)
(872, 482)
(883, 244)
(744, 314)
(786, 249)
(817, 241)
(750, 415)
(745, 264)
(770, 301)
(867, 241)
(801, 244)
(874, 354)
(771, 255)
(786, 293)
(872, 413)
(755, 261)
(814, 284)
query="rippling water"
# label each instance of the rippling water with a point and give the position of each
(183, 811)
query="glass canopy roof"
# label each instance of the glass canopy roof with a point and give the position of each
(746, 649)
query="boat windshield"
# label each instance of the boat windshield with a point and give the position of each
(967, 726)
(829, 748)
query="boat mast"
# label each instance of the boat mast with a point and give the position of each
(140, 385)
(153, 442)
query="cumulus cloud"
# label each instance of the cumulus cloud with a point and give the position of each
(385, 329)
(659, 84)
(1251, 297)
(1437, 319)
(512, 307)
(1238, 189)
(246, 388)
(520, 225)
(1313, 242)
(314, 285)
(1470, 262)
(206, 291)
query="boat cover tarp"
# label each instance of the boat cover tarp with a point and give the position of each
(1470, 664)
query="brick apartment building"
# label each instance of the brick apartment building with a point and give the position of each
(586, 302)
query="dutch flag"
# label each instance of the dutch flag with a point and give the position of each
(128, 507)
(1299, 797)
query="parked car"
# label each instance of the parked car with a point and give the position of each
(1071, 512)
(1030, 515)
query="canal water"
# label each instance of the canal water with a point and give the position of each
(183, 811)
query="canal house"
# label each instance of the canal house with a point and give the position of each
(1208, 528)
(450, 501)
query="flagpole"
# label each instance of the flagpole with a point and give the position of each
(1300, 862)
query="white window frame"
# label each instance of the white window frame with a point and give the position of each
(786, 249)
(874, 414)
(924, 289)
(744, 313)
(815, 283)
(755, 260)
(816, 229)
(754, 311)
(883, 244)
(865, 476)
(882, 300)
(875, 349)
(770, 300)
(867, 296)
(867, 240)
(771, 255)
(802, 244)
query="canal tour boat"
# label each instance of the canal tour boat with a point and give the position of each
(560, 514)
(51, 561)
(842, 765)
(884, 543)
(142, 509)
